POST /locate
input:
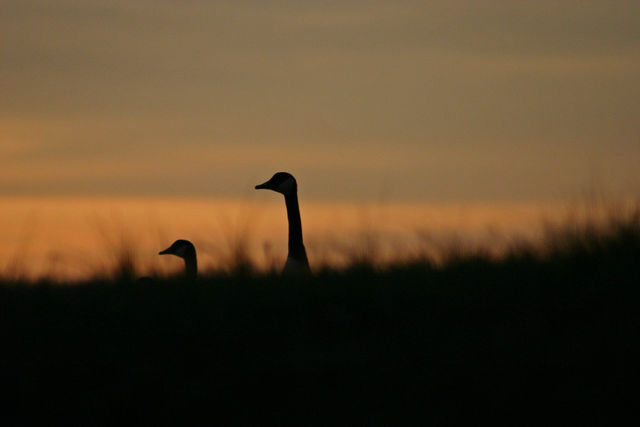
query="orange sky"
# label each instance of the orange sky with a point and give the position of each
(71, 237)
(442, 101)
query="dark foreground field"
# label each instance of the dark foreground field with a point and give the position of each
(533, 339)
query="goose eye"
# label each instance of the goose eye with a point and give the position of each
(286, 185)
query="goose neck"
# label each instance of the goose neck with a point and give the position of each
(191, 266)
(295, 224)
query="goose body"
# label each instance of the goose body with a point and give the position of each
(284, 183)
(184, 249)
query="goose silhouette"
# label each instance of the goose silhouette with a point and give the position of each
(284, 183)
(185, 250)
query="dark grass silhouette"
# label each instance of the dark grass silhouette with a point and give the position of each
(541, 335)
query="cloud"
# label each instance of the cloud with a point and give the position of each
(187, 96)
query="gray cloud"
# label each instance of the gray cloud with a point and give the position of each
(487, 82)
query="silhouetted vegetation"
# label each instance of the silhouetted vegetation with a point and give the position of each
(546, 333)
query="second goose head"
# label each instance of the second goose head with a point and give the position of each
(185, 250)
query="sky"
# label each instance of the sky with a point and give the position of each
(459, 101)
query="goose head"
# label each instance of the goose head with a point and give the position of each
(281, 182)
(180, 248)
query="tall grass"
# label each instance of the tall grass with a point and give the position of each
(588, 229)
(419, 340)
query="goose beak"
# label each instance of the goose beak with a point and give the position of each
(165, 252)
(264, 185)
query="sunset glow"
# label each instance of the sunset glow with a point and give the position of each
(315, 212)
(76, 238)
(399, 116)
